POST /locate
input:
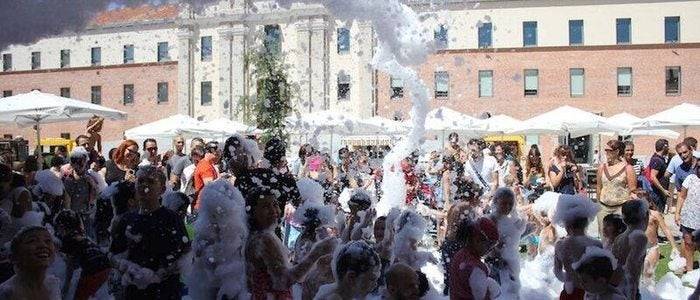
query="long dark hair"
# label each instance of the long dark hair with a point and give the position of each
(534, 160)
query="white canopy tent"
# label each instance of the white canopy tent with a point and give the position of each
(330, 122)
(169, 128)
(500, 124)
(227, 127)
(628, 120)
(443, 120)
(37, 108)
(567, 120)
(386, 126)
(683, 116)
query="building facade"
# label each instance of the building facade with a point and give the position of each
(523, 58)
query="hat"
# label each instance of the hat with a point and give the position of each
(488, 228)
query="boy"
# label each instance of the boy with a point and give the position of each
(630, 247)
(595, 271)
(32, 251)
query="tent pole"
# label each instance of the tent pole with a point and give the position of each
(38, 150)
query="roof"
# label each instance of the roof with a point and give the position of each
(136, 14)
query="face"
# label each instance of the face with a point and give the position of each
(179, 144)
(196, 143)
(609, 231)
(505, 206)
(83, 142)
(79, 165)
(151, 149)
(610, 153)
(379, 226)
(454, 141)
(592, 285)
(474, 151)
(629, 152)
(366, 282)
(686, 154)
(36, 250)
(498, 152)
(406, 289)
(149, 187)
(131, 155)
(267, 212)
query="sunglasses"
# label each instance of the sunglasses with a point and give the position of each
(152, 149)
(609, 150)
(133, 152)
(84, 144)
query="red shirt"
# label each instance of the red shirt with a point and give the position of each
(461, 267)
(205, 169)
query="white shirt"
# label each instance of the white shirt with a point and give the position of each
(485, 166)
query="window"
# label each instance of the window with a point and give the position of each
(486, 83)
(206, 48)
(205, 97)
(440, 36)
(624, 30)
(442, 84)
(96, 56)
(96, 95)
(65, 92)
(672, 29)
(624, 81)
(343, 40)
(6, 94)
(162, 92)
(65, 58)
(128, 54)
(485, 35)
(273, 39)
(531, 82)
(163, 52)
(36, 60)
(396, 88)
(673, 80)
(577, 82)
(128, 94)
(529, 34)
(343, 86)
(7, 62)
(575, 32)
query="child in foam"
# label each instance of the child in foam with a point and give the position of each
(595, 270)
(575, 213)
(506, 258)
(468, 274)
(356, 268)
(32, 252)
(630, 247)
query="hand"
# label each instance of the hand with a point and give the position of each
(667, 193)
(677, 217)
(323, 247)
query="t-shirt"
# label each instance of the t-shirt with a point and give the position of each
(174, 161)
(86, 254)
(690, 212)
(485, 166)
(180, 165)
(567, 185)
(79, 191)
(656, 162)
(679, 170)
(113, 173)
(205, 169)
(677, 161)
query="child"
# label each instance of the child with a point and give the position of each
(506, 258)
(612, 227)
(630, 247)
(468, 274)
(595, 270)
(94, 127)
(356, 272)
(656, 221)
(696, 292)
(83, 253)
(32, 251)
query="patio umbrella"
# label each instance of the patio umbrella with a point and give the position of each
(680, 116)
(443, 119)
(37, 108)
(625, 119)
(169, 127)
(501, 124)
(386, 126)
(331, 122)
(567, 120)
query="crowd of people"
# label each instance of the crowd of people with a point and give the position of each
(237, 220)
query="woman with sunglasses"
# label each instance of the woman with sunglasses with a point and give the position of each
(564, 175)
(616, 182)
(126, 159)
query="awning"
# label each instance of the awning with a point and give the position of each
(367, 140)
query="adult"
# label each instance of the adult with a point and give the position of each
(688, 214)
(683, 163)
(636, 164)
(563, 172)
(468, 274)
(177, 155)
(453, 149)
(162, 241)
(186, 180)
(150, 153)
(84, 141)
(206, 172)
(534, 169)
(82, 189)
(125, 163)
(483, 169)
(616, 182)
(655, 175)
(176, 173)
(507, 174)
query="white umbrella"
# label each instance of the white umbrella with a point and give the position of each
(626, 119)
(568, 120)
(331, 122)
(386, 126)
(169, 128)
(680, 116)
(501, 124)
(36, 108)
(443, 119)
(225, 126)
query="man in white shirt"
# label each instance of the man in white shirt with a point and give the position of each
(481, 168)
(676, 162)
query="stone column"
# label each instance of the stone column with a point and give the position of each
(363, 84)
(185, 72)
(319, 65)
(304, 67)
(239, 81)
(224, 48)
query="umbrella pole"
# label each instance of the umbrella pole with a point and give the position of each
(685, 131)
(38, 150)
